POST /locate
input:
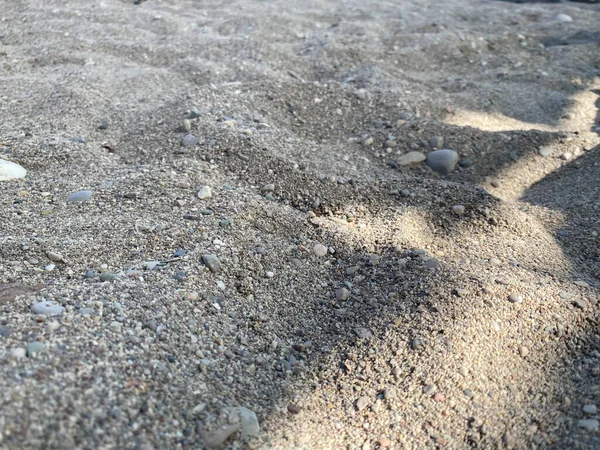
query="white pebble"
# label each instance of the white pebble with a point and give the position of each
(10, 170)
(204, 193)
(320, 250)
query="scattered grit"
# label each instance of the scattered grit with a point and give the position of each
(230, 233)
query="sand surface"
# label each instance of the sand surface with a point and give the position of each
(359, 304)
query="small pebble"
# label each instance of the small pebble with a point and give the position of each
(430, 389)
(362, 403)
(204, 193)
(515, 298)
(90, 274)
(54, 256)
(565, 18)
(411, 159)
(105, 276)
(442, 161)
(495, 183)
(545, 151)
(18, 353)
(268, 188)
(212, 262)
(189, 140)
(320, 250)
(79, 196)
(342, 294)
(270, 274)
(33, 348)
(47, 308)
(437, 142)
(54, 325)
(187, 125)
(590, 409)
(523, 351)
(589, 424)
(249, 423)
(459, 210)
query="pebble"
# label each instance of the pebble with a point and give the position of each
(442, 161)
(545, 151)
(106, 276)
(430, 389)
(18, 353)
(79, 196)
(515, 298)
(5, 331)
(351, 271)
(495, 183)
(270, 274)
(418, 344)
(461, 292)
(87, 312)
(320, 250)
(212, 262)
(362, 403)
(268, 188)
(189, 140)
(385, 442)
(89, 274)
(590, 409)
(342, 294)
(249, 423)
(368, 141)
(411, 159)
(54, 256)
(361, 94)
(54, 325)
(437, 142)
(218, 437)
(363, 333)
(11, 171)
(523, 351)
(33, 348)
(580, 303)
(562, 17)
(194, 113)
(47, 308)
(589, 424)
(204, 193)
(187, 125)
(433, 264)
(459, 210)
(50, 267)
(183, 185)
(104, 125)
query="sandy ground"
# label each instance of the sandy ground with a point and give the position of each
(419, 327)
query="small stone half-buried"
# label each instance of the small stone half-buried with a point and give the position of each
(11, 171)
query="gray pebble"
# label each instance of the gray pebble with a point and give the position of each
(204, 193)
(47, 308)
(104, 125)
(195, 113)
(18, 353)
(418, 343)
(109, 276)
(442, 161)
(545, 151)
(363, 333)
(437, 142)
(351, 271)
(87, 312)
(5, 331)
(433, 264)
(465, 163)
(249, 423)
(217, 437)
(589, 424)
(430, 389)
(79, 196)
(33, 348)
(342, 294)
(212, 262)
(90, 274)
(268, 188)
(459, 210)
(590, 409)
(54, 256)
(189, 140)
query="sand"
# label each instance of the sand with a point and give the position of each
(348, 301)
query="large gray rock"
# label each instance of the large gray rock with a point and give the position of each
(443, 161)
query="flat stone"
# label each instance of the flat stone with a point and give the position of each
(363, 333)
(11, 171)
(54, 256)
(589, 424)
(204, 193)
(590, 409)
(189, 140)
(562, 17)
(18, 353)
(217, 437)
(79, 196)
(212, 262)
(268, 188)
(545, 151)
(442, 161)
(47, 308)
(105, 276)
(5, 331)
(411, 159)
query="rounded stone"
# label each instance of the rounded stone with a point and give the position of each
(442, 161)
(189, 140)
(459, 210)
(11, 171)
(320, 250)
(545, 151)
(437, 142)
(590, 409)
(47, 308)
(342, 294)
(268, 188)
(515, 298)
(33, 348)
(54, 256)
(79, 196)
(18, 353)
(212, 262)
